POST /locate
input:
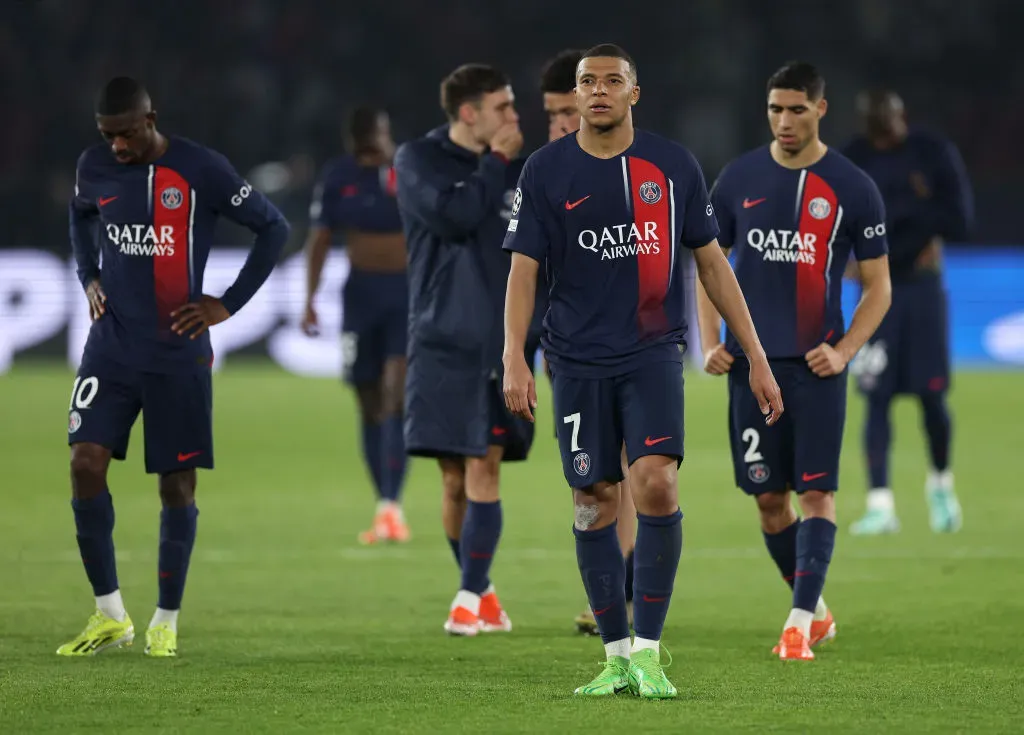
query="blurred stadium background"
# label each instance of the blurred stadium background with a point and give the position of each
(288, 625)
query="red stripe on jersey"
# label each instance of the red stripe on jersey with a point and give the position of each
(172, 202)
(649, 189)
(811, 277)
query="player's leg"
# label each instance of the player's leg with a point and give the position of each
(369, 396)
(178, 415)
(453, 502)
(104, 404)
(589, 440)
(651, 402)
(945, 514)
(393, 459)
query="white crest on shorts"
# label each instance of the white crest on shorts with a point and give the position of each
(74, 422)
(758, 472)
(171, 198)
(819, 208)
(581, 463)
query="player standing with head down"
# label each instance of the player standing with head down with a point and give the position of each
(609, 210)
(148, 204)
(356, 196)
(928, 201)
(794, 210)
(558, 85)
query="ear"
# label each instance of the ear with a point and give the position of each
(467, 113)
(634, 96)
(151, 118)
(822, 107)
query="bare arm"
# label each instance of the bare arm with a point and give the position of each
(318, 244)
(520, 390)
(875, 299)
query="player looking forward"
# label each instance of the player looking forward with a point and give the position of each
(794, 210)
(927, 201)
(356, 196)
(148, 203)
(608, 210)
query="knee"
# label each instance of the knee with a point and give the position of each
(178, 489)
(453, 484)
(482, 478)
(88, 470)
(776, 511)
(654, 486)
(818, 504)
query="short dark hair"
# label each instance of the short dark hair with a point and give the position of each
(362, 127)
(559, 74)
(121, 95)
(611, 50)
(800, 76)
(469, 83)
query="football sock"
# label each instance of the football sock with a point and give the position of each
(161, 617)
(782, 547)
(456, 551)
(112, 606)
(659, 544)
(481, 530)
(603, 571)
(94, 527)
(618, 648)
(372, 435)
(814, 543)
(392, 458)
(629, 576)
(877, 437)
(177, 536)
(939, 427)
(639, 644)
(799, 619)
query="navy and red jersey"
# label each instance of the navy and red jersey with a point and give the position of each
(926, 192)
(353, 197)
(793, 231)
(145, 230)
(610, 234)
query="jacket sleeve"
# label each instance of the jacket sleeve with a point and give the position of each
(449, 207)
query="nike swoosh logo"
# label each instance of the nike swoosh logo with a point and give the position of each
(651, 442)
(104, 201)
(808, 478)
(578, 202)
(747, 204)
(187, 457)
(499, 431)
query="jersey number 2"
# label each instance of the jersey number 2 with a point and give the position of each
(753, 439)
(574, 419)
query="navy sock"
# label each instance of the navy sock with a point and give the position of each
(877, 436)
(815, 540)
(177, 535)
(481, 530)
(659, 544)
(939, 427)
(782, 547)
(372, 435)
(455, 544)
(629, 577)
(392, 458)
(94, 526)
(603, 570)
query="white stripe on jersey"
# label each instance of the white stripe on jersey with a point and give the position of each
(799, 196)
(149, 191)
(673, 242)
(625, 185)
(832, 239)
(191, 225)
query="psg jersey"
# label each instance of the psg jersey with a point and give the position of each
(610, 234)
(350, 196)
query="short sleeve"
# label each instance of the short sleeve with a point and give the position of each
(527, 233)
(723, 212)
(700, 226)
(868, 223)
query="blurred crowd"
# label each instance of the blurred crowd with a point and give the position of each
(267, 82)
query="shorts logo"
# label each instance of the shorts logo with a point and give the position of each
(517, 201)
(581, 463)
(74, 422)
(171, 198)
(650, 192)
(819, 208)
(758, 473)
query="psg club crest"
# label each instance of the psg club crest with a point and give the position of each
(650, 192)
(581, 463)
(74, 422)
(819, 208)
(758, 472)
(517, 201)
(171, 198)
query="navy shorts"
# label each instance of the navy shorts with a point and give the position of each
(595, 416)
(376, 320)
(801, 451)
(909, 353)
(177, 408)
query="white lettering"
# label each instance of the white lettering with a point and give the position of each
(592, 236)
(650, 230)
(607, 239)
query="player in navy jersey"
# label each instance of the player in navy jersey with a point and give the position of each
(558, 85)
(794, 211)
(928, 201)
(607, 212)
(455, 188)
(356, 197)
(142, 223)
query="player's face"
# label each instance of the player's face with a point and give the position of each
(130, 135)
(605, 91)
(794, 118)
(382, 139)
(563, 117)
(881, 114)
(494, 110)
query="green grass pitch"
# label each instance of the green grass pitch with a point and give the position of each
(289, 626)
